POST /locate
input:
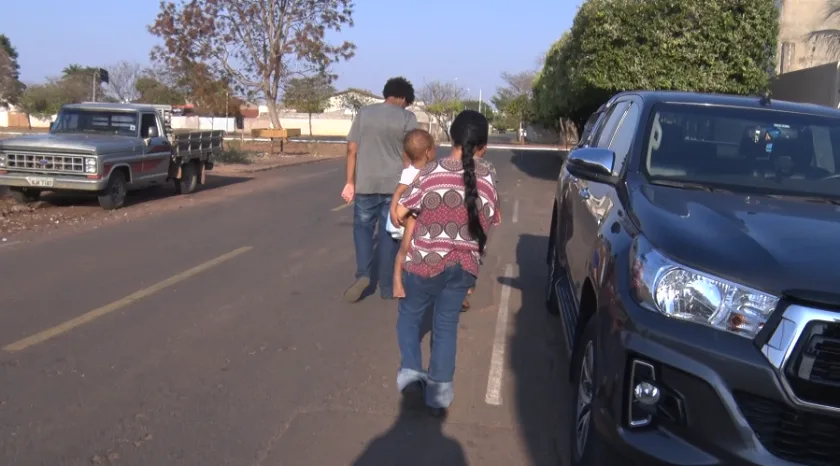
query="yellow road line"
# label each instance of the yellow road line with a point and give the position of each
(45, 335)
(342, 206)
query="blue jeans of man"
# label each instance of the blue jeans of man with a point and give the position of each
(444, 293)
(369, 210)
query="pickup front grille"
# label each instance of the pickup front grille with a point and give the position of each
(52, 163)
(791, 434)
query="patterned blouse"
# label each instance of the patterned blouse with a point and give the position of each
(441, 236)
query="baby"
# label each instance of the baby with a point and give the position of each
(419, 148)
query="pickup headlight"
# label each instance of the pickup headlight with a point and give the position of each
(2, 160)
(90, 165)
(661, 285)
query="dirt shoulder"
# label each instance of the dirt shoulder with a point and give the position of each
(241, 163)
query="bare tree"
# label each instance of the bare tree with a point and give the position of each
(260, 44)
(442, 100)
(122, 82)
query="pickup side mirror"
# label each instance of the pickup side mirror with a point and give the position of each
(592, 164)
(153, 132)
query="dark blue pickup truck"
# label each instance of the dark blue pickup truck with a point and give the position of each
(693, 263)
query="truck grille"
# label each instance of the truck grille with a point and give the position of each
(794, 435)
(814, 371)
(52, 163)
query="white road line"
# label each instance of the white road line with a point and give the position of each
(497, 360)
(8, 243)
(515, 211)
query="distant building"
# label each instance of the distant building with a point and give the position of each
(797, 20)
(342, 101)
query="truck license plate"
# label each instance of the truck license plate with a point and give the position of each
(40, 182)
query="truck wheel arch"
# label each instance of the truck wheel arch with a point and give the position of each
(124, 167)
(587, 309)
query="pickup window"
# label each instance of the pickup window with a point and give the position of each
(758, 150)
(147, 122)
(86, 121)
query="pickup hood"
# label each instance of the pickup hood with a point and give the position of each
(781, 246)
(78, 143)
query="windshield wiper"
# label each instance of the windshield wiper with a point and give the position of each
(685, 185)
(814, 199)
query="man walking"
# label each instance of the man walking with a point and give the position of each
(374, 164)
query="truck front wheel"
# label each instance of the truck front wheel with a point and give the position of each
(25, 195)
(114, 195)
(189, 179)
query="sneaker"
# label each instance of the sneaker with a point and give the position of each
(354, 293)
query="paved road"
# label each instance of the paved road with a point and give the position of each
(215, 335)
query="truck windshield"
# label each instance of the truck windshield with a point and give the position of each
(96, 121)
(760, 150)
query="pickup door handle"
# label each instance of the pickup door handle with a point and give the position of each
(584, 193)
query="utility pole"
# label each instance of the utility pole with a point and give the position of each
(479, 101)
(93, 86)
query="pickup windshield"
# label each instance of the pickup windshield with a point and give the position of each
(96, 121)
(759, 150)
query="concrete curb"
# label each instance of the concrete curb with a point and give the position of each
(276, 166)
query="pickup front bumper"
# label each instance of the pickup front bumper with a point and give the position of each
(52, 182)
(724, 399)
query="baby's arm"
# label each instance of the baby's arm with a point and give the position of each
(405, 244)
(395, 200)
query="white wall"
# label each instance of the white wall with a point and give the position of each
(204, 123)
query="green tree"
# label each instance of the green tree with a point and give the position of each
(10, 86)
(486, 108)
(514, 99)
(308, 95)
(442, 101)
(77, 85)
(720, 46)
(151, 91)
(41, 101)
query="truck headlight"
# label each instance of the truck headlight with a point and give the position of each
(90, 165)
(2, 160)
(662, 285)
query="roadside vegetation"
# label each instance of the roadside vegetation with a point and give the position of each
(716, 46)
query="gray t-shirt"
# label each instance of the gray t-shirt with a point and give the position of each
(379, 130)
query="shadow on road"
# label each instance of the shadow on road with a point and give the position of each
(66, 199)
(414, 439)
(543, 165)
(540, 366)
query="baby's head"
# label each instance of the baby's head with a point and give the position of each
(419, 147)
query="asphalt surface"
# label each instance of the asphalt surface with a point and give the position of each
(216, 335)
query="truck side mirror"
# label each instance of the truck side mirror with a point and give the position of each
(592, 163)
(153, 132)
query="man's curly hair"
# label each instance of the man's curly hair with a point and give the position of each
(399, 87)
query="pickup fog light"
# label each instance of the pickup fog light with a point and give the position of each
(644, 394)
(661, 285)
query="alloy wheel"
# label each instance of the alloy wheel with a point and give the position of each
(584, 397)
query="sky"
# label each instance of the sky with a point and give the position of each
(468, 41)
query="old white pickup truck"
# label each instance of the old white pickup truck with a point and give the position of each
(108, 149)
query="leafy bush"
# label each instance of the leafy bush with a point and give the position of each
(233, 153)
(720, 46)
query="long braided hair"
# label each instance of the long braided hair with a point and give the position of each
(469, 131)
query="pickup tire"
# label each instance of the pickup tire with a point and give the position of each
(189, 179)
(114, 195)
(25, 195)
(587, 447)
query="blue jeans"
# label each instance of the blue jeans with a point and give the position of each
(367, 210)
(446, 292)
